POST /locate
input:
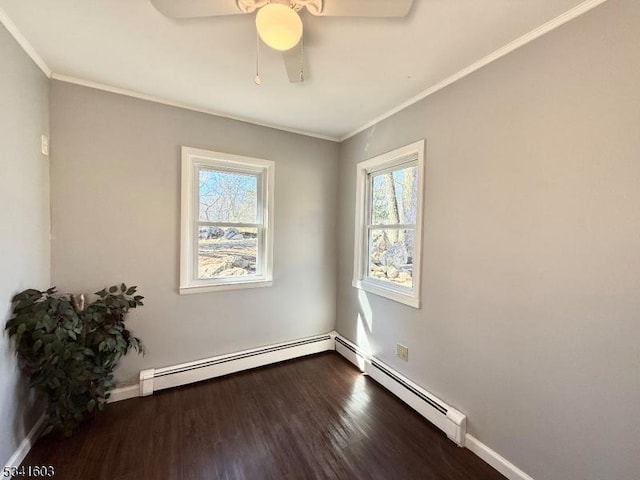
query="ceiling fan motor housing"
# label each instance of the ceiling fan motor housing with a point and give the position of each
(250, 6)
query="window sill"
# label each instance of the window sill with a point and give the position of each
(188, 290)
(389, 293)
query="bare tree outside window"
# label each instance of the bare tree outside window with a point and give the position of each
(227, 197)
(228, 224)
(393, 208)
(388, 224)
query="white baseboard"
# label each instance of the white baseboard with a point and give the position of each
(445, 417)
(24, 448)
(154, 379)
(124, 393)
(25, 445)
(454, 427)
(497, 461)
(167, 377)
(453, 423)
(351, 352)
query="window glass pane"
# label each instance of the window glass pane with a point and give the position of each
(394, 196)
(227, 197)
(226, 252)
(391, 256)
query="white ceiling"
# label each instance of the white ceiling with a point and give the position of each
(357, 68)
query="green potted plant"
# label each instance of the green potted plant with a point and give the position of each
(69, 350)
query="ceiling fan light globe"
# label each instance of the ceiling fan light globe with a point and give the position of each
(279, 26)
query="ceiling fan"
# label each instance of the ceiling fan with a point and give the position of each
(277, 21)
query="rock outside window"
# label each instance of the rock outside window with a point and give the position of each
(388, 237)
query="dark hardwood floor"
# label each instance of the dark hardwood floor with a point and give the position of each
(311, 418)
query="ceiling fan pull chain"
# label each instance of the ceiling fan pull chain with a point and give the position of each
(302, 58)
(257, 80)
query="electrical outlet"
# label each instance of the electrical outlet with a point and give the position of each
(402, 352)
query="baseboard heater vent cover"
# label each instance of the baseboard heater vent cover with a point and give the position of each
(352, 353)
(155, 379)
(446, 418)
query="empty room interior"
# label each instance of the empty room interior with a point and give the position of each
(320, 239)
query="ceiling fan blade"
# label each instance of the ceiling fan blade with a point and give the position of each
(364, 8)
(293, 63)
(195, 8)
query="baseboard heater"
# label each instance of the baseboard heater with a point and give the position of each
(155, 379)
(446, 418)
(452, 422)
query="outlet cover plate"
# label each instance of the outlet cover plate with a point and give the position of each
(402, 352)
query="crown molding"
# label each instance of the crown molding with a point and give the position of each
(558, 21)
(37, 59)
(24, 43)
(492, 57)
(171, 103)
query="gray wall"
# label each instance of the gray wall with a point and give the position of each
(531, 247)
(115, 196)
(531, 276)
(24, 219)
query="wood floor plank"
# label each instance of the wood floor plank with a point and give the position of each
(312, 418)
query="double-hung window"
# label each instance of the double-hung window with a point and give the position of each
(227, 221)
(388, 239)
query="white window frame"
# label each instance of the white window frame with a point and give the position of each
(193, 159)
(409, 154)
